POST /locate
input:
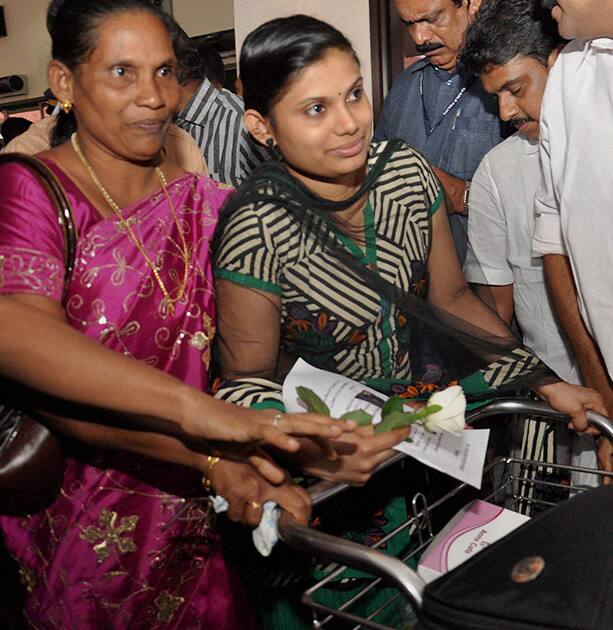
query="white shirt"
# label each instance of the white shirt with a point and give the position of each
(500, 228)
(574, 205)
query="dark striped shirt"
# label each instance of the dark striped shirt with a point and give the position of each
(214, 118)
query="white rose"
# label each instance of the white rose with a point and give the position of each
(452, 417)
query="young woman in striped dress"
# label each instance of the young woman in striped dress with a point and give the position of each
(340, 253)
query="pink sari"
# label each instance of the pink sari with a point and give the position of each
(110, 552)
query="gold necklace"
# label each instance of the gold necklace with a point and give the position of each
(169, 301)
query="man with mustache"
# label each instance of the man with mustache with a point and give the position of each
(573, 223)
(512, 45)
(436, 108)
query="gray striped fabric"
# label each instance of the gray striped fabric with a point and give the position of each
(214, 118)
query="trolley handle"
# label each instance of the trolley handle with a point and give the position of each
(539, 408)
(390, 569)
(322, 491)
(345, 552)
(602, 423)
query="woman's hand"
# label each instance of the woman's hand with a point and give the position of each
(359, 454)
(246, 492)
(573, 400)
(236, 433)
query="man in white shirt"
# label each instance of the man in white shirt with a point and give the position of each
(512, 51)
(512, 46)
(573, 213)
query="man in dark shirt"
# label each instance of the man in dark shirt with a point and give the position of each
(437, 110)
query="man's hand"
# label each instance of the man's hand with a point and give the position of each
(573, 400)
(454, 191)
(605, 457)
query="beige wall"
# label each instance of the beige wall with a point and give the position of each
(352, 17)
(198, 17)
(26, 49)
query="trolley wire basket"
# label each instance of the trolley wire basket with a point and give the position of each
(520, 484)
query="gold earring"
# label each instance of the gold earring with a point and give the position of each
(66, 106)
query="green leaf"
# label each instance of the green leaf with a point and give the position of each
(312, 401)
(394, 420)
(361, 417)
(422, 413)
(395, 403)
(399, 419)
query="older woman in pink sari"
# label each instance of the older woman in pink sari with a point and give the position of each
(122, 546)
(109, 524)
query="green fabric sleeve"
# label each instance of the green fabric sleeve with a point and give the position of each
(247, 281)
(437, 202)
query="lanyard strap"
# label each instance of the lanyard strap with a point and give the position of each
(429, 127)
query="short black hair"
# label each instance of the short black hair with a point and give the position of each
(213, 63)
(198, 61)
(191, 65)
(504, 29)
(12, 127)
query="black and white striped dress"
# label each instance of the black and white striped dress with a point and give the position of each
(327, 318)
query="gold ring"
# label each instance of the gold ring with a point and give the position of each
(276, 420)
(255, 505)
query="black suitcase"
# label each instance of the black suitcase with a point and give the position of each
(556, 571)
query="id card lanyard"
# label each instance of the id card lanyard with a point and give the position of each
(430, 128)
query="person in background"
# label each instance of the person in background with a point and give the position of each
(512, 45)
(573, 228)
(436, 108)
(213, 65)
(12, 127)
(129, 336)
(214, 118)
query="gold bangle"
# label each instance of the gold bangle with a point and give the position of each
(207, 484)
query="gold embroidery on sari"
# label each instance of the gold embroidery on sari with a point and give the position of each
(167, 605)
(28, 578)
(38, 272)
(109, 537)
(203, 339)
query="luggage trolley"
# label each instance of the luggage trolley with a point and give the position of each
(518, 488)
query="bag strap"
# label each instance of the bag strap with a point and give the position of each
(56, 193)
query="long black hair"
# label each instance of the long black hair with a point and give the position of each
(275, 52)
(73, 25)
